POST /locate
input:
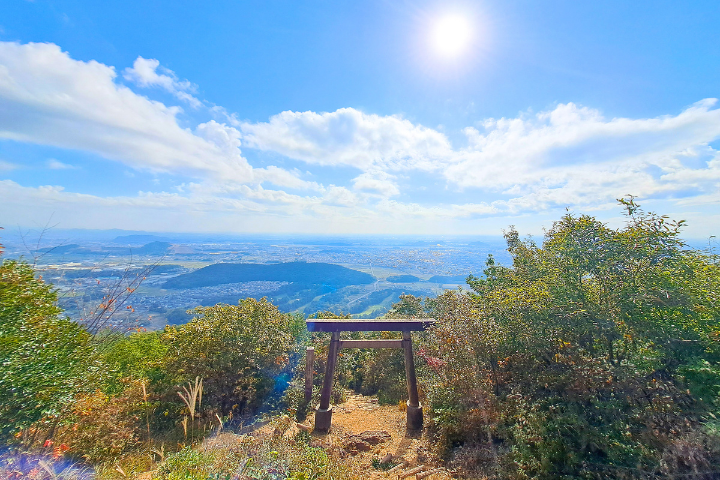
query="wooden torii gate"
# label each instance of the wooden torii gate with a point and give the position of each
(323, 413)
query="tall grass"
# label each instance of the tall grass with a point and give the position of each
(193, 399)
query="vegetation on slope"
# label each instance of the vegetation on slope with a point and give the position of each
(595, 355)
(43, 357)
(294, 272)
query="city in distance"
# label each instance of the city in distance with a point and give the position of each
(162, 276)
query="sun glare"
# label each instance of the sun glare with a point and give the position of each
(451, 36)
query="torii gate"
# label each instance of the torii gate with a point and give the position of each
(323, 413)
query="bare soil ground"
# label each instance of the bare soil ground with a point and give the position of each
(361, 414)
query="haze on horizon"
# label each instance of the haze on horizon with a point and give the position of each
(357, 118)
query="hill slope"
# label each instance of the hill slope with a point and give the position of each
(294, 272)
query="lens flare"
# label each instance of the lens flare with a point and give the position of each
(451, 36)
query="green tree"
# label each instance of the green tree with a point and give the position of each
(592, 354)
(238, 351)
(137, 356)
(42, 355)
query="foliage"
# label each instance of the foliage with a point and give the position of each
(136, 356)
(103, 427)
(238, 350)
(295, 272)
(43, 355)
(227, 456)
(594, 354)
(46, 465)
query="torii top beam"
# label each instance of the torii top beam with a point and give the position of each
(368, 324)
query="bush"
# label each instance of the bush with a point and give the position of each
(596, 354)
(228, 456)
(238, 350)
(44, 357)
(103, 427)
(139, 355)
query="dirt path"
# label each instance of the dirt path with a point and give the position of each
(361, 418)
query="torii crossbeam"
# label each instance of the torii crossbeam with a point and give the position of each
(323, 413)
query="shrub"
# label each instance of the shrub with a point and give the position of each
(102, 428)
(230, 456)
(595, 354)
(44, 357)
(238, 350)
(137, 356)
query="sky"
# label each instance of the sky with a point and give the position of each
(372, 117)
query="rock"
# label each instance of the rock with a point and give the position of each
(387, 458)
(355, 444)
(364, 441)
(292, 431)
(373, 437)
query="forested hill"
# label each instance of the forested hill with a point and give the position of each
(295, 272)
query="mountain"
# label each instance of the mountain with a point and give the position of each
(293, 272)
(62, 249)
(153, 248)
(138, 239)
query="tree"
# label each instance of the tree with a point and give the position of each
(591, 355)
(42, 355)
(237, 350)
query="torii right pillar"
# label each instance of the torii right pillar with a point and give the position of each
(414, 409)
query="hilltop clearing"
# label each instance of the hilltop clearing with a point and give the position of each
(365, 442)
(365, 433)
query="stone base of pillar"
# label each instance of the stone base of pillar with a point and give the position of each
(414, 417)
(323, 419)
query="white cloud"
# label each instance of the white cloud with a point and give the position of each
(349, 137)
(7, 166)
(573, 156)
(284, 178)
(254, 209)
(67, 103)
(144, 73)
(569, 155)
(340, 196)
(572, 143)
(379, 183)
(55, 164)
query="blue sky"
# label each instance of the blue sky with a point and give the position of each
(345, 117)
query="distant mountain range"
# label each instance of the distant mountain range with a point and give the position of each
(139, 239)
(294, 272)
(152, 248)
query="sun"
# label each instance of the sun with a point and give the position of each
(451, 36)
